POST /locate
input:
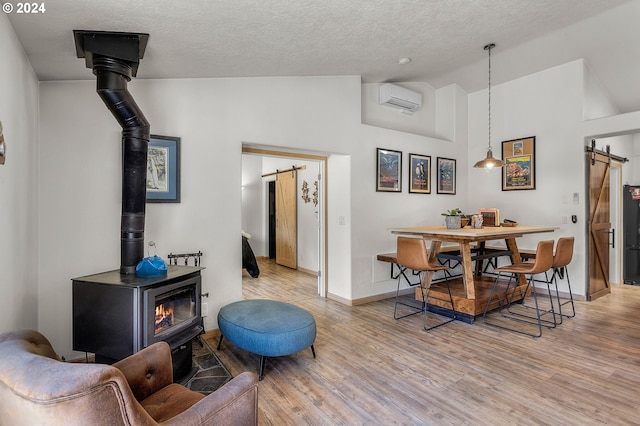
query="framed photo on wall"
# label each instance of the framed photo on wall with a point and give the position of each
(163, 169)
(419, 174)
(388, 170)
(446, 175)
(519, 172)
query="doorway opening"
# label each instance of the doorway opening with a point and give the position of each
(310, 194)
(604, 259)
(615, 255)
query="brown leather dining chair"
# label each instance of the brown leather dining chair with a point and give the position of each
(412, 254)
(542, 264)
(561, 258)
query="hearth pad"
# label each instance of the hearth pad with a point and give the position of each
(211, 372)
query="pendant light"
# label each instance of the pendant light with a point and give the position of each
(489, 163)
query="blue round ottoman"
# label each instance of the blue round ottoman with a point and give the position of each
(267, 328)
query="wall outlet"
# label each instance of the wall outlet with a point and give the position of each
(205, 309)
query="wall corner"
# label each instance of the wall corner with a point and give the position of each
(451, 113)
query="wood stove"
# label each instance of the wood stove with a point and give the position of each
(116, 315)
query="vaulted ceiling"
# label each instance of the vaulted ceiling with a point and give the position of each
(443, 38)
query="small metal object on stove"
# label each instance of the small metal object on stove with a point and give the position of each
(151, 244)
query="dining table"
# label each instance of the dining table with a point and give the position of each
(469, 239)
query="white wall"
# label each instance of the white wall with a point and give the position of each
(377, 212)
(308, 216)
(597, 103)
(635, 161)
(549, 106)
(556, 106)
(253, 204)
(214, 117)
(79, 174)
(18, 186)
(451, 113)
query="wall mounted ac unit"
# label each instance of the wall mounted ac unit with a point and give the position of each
(399, 97)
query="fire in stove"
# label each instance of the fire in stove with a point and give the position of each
(174, 308)
(164, 317)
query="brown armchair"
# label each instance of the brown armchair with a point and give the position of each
(37, 388)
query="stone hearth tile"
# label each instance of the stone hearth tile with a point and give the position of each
(211, 372)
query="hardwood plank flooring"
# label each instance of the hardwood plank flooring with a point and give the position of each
(372, 369)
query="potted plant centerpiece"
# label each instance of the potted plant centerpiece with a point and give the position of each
(453, 218)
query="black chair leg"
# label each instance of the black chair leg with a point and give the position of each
(398, 302)
(425, 298)
(556, 272)
(220, 341)
(261, 367)
(559, 313)
(539, 313)
(512, 316)
(313, 351)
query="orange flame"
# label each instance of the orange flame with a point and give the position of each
(164, 318)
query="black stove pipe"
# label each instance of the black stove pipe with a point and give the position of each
(112, 88)
(114, 59)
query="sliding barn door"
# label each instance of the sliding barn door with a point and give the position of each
(599, 179)
(286, 220)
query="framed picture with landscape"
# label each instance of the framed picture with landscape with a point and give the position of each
(388, 170)
(446, 176)
(519, 172)
(419, 174)
(163, 169)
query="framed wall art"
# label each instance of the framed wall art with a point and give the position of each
(388, 170)
(446, 175)
(419, 174)
(163, 169)
(519, 172)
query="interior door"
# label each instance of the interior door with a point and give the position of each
(599, 179)
(286, 220)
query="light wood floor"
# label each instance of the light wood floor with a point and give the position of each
(371, 369)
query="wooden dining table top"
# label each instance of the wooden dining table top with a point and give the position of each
(467, 235)
(472, 234)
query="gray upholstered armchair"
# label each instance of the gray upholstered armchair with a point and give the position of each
(37, 388)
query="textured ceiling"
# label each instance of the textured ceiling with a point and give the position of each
(444, 38)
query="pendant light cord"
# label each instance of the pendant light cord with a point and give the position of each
(489, 47)
(489, 163)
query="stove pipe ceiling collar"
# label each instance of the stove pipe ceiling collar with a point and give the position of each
(114, 59)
